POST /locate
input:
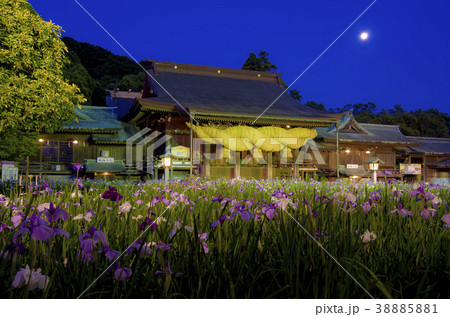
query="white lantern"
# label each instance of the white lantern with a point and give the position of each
(166, 162)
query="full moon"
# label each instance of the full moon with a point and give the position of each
(364, 36)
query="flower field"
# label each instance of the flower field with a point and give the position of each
(204, 238)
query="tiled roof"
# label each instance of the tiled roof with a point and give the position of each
(94, 118)
(127, 131)
(116, 167)
(431, 145)
(122, 101)
(204, 89)
(441, 164)
(378, 133)
(360, 171)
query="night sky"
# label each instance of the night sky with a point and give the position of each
(405, 60)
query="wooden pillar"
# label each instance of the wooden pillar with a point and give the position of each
(295, 154)
(27, 173)
(208, 161)
(269, 165)
(337, 149)
(191, 145)
(425, 173)
(237, 165)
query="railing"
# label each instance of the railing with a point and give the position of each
(42, 167)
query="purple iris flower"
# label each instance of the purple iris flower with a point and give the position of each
(77, 167)
(203, 237)
(3, 226)
(421, 192)
(148, 222)
(155, 200)
(48, 189)
(112, 194)
(446, 219)
(110, 253)
(165, 270)
(163, 246)
(428, 212)
(367, 206)
(218, 198)
(320, 234)
(121, 272)
(60, 231)
(375, 195)
(385, 172)
(245, 214)
(220, 220)
(135, 247)
(16, 247)
(269, 211)
(36, 227)
(90, 238)
(402, 211)
(44, 187)
(54, 214)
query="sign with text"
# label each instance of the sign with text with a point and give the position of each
(9, 171)
(105, 159)
(352, 166)
(180, 151)
(411, 169)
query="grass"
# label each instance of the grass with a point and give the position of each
(256, 258)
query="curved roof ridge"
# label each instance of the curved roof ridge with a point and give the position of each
(429, 138)
(216, 70)
(380, 124)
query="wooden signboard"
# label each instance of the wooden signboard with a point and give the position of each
(180, 151)
(411, 169)
(102, 159)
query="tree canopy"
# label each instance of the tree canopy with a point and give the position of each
(77, 74)
(34, 95)
(260, 63)
(107, 69)
(425, 123)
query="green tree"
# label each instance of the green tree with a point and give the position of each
(133, 82)
(15, 145)
(105, 67)
(315, 105)
(76, 73)
(296, 94)
(34, 95)
(431, 123)
(260, 63)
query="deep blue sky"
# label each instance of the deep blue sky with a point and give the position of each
(406, 59)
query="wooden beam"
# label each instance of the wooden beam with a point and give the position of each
(208, 161)
(295, 154)
(337, 149)
(269, 165)
(237, 165)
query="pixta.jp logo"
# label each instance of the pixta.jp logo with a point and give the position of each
(138, 142)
